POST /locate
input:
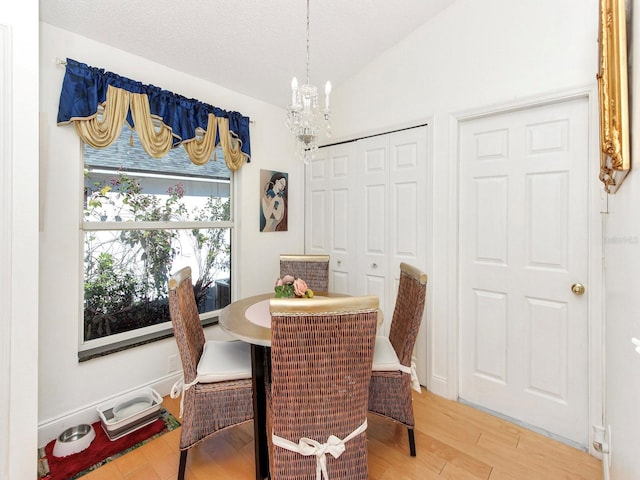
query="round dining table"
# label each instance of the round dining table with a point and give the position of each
(233, 320)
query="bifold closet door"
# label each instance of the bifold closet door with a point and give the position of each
(367, 206)
(373, 206)
(393, 212)
(330, 213)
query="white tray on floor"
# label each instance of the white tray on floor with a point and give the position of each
(130, 412)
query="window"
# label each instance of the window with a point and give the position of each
(145, 218)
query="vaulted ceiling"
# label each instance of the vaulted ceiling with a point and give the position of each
(253, 47)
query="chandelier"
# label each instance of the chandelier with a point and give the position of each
(305, 117)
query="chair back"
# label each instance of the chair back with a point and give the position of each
(185, 320)
(408, 312)
(313, 269)
(321, 357)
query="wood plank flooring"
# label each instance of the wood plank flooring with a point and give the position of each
(453, 441)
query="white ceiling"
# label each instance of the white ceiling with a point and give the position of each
(250, 46)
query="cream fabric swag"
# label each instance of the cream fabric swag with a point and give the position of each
(157, 142)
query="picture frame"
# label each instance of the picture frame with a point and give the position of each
(613, 91)
(274, 201)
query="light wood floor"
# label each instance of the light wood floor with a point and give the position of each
(453, 441)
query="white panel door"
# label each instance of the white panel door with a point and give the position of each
(407, 212)
(317, 182)
(523, 244)
(373, 232)
(330, 213)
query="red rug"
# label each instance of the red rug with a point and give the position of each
(100, 451)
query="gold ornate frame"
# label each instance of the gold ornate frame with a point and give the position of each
(613, 91)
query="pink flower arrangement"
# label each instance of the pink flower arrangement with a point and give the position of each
(287, 286)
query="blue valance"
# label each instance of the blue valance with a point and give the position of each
(85, 88)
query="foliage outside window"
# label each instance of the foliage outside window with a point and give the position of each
(142, 221)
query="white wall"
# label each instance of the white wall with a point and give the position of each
(622, 379)
(70, 390)
(19, 220)
(622, 385)
(475, 55)
(472, 56)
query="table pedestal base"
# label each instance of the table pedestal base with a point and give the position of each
(260, 357)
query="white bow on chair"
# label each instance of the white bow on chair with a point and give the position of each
(178, 389)
(415, 383)
(307, 447)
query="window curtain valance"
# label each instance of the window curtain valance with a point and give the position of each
(197, 126)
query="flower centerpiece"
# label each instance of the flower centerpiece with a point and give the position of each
(287, 287)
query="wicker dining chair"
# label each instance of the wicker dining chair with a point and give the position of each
(393, 370)
(321, 356)
(216, 388)
(313, 269)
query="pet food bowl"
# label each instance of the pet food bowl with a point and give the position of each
(74, 440)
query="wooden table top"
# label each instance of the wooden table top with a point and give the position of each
(234, 321)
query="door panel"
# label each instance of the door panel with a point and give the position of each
(547, 323)
(523, 243)
(407, 214)
(547, 220)
(491, 219)
(330, 213)
(375, 207)
(373, 252)
(342, 231)
(316, 228)
(491, 335)
(316, 223)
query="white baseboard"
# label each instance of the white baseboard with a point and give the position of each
(50, 429)
(440, 387)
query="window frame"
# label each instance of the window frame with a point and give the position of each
(140, 336)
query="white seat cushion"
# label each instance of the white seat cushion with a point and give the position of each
(385, 358)
(223, 361)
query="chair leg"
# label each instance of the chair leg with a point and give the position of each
(412, 442)
(183, 464)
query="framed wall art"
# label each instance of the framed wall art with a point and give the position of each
(613, 91)
(274, 201)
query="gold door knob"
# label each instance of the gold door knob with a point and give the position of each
(577, 288)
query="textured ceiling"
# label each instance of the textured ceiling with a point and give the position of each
(250, 46)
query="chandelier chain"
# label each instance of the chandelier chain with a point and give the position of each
(308, 54)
